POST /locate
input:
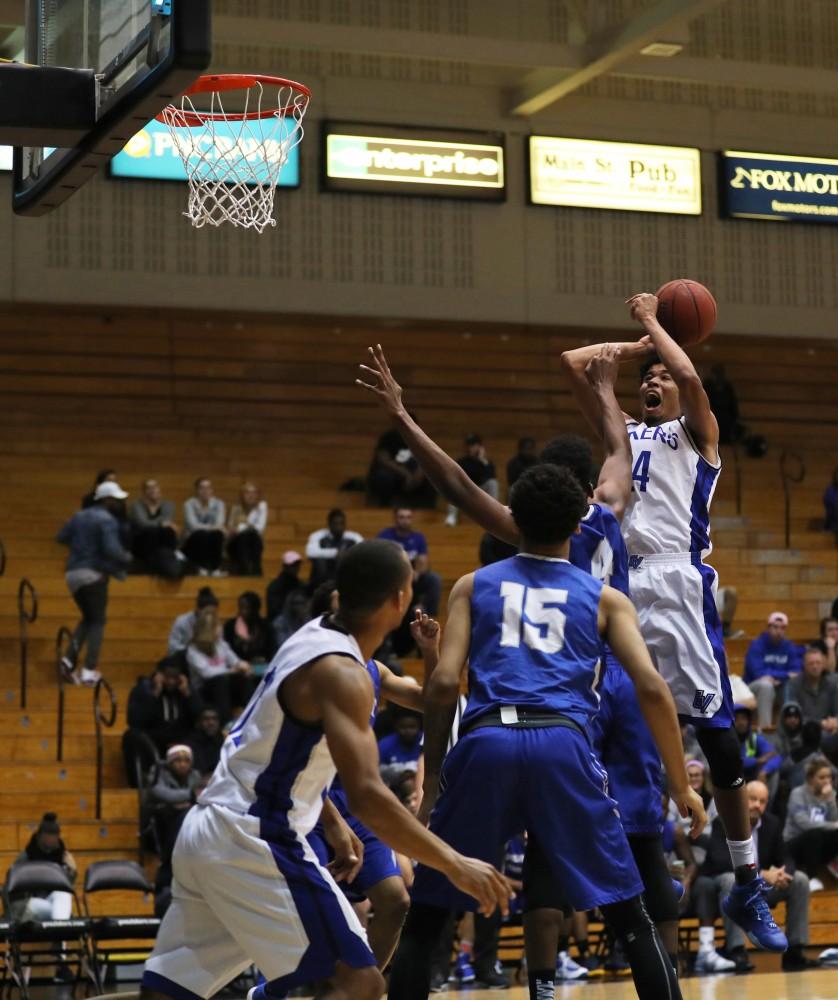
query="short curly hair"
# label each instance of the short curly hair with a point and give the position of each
(547, 503)
(571, 452)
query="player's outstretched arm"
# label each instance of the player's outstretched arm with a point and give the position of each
(619, 625)
(341, 691)
(442, 687)
(694, 402)
(347, 847)
(614, 484)
(575, 363)
(403, 691)
(448, 478)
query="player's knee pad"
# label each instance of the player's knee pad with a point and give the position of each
(628, 917)
(721, 748)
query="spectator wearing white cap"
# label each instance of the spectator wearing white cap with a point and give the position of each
(173, 794)
(769, 663)
(96, 554)
(283, 584)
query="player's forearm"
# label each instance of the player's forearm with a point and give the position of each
(377, 808)
(659, 712)
(577, 359)
(673, 356)
(612, 429)
(438, 722)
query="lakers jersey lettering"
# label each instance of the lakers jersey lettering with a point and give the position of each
(672, 489)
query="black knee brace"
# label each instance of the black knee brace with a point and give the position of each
(721, 748)
(658, 891)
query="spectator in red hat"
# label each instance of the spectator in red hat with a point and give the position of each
(769, 663)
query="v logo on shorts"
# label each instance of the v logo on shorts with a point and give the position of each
(701, 701)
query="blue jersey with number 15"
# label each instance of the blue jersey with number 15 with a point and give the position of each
(535, 640)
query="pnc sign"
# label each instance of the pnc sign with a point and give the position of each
(780, 188)
(375, 158)
(152, 154)
(584, 173)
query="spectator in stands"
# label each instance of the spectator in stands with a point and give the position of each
(769, 663)
(46, 844)
(717, 879)
(324, 547)
(830, 505)
(759, 758)
(427, 585)
(217, 674)
(103, 476)
(479, 469)
(401, 750)
(698, 776)
(394, 475)
(173, 794)
(245, 528)
(284, 583)
(724, 404)
(203, 541)
(811, 831)
(817, 694)
(788, 740)
(526, 456)
(96, 554)
(296, 613)
(154, 533)
(249, 635)
(163, 707)
(184, 625)
(829, 637)
(206, 742)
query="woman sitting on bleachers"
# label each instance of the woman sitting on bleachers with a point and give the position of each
(217, 674)
(245, 528)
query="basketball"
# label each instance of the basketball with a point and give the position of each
(686, 310)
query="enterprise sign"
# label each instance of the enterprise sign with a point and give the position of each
(782, 188)
(151, 155)
(616, 175)
(390, 160)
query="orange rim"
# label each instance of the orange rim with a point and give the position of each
(222, 83)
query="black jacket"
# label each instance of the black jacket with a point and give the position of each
(172, 713)
(770, 847)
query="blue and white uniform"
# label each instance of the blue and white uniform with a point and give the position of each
(379, 860)
(534, 676)
(619, 732)
(247, 886)
(667, 532)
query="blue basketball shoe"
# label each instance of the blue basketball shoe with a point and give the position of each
(747, 907)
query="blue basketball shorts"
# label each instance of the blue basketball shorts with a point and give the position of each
(497, 782)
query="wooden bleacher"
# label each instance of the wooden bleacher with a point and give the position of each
(179, 394)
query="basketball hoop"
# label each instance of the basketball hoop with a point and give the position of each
(233, 159)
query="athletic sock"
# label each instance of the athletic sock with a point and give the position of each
(542, 984)
(744, 860)
(706, 938)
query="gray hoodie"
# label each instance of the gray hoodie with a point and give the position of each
(807, 812)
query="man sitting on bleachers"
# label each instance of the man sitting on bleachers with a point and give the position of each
(325, 546)
(817, 694)
(769, 663)
(206, 741)
(184, 625)
(716, 880)
(163, 707)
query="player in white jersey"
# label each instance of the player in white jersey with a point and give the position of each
(247, 886)
(666, 526)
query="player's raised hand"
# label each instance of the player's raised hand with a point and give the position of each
(642, 306)
(381, 384)
(689, 804)
(485, 883)
(425, 631)
(604, 366)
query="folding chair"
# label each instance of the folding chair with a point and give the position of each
(48, 942)
(118, 940)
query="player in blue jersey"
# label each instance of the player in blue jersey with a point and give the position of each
(247, 886)
(676, 465)
(530, 630)
(379, 877)
(621, 736)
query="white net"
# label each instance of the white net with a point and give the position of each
(233, 159)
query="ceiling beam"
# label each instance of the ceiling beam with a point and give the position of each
(543, 87)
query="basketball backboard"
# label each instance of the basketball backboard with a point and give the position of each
(142, 53)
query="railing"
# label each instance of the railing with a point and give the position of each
(63, 641)
(102, 718)
(792, 471)
(26, 616)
